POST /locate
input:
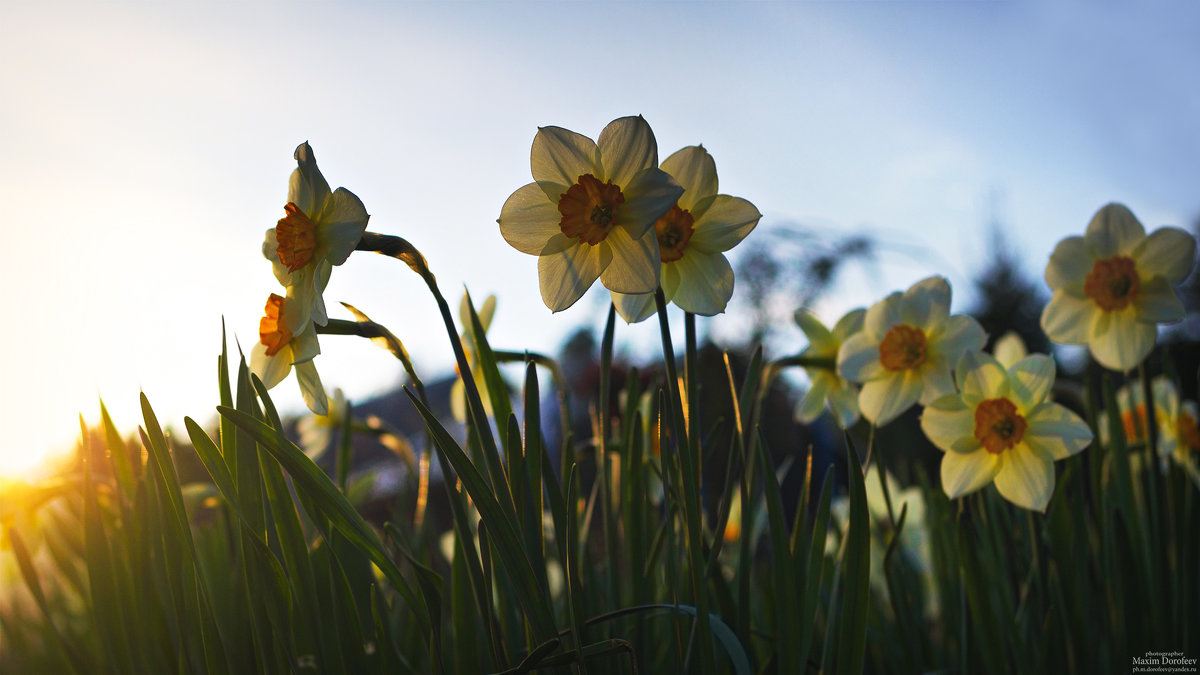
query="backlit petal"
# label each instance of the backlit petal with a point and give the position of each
(311, 389)
(560, 156)
(820, 339)
(843, 401)
(340, 226)
(270, 369)
(635, 264)
(634, 308)
(964, 473)
(528, 220)
(705, 283)
(884, 399)
(814, 400)
(1069, 264)
(1114, 230)
(627, 146)
(980, 376)
(1119, 341)
(724, 224)
(1067, 319)
(950, 424)
(882, 316)
(956, 336)
(648, 196)
(926, 303)
(1156, 302)
(849, 324)
(858, 359)
(1168, 252)
(1056, 432)
(694, 169)
(307, 188)
(566, 275)
(1026, 478)
(938, 382)
(1030, 380)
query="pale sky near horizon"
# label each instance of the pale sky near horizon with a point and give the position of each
(146, 147)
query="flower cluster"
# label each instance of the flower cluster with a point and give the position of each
(319, 230)
(607, 210)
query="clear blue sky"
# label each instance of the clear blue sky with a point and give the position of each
(146, 148)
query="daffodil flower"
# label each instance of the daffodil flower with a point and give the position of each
(906, 349)
(1175, 420)
(588, 209)
(320, 229)
(1000, 426)
(827, 384)
(1113, 285)
(692, 239)
(277, 350)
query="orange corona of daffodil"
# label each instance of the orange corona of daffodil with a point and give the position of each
(1114, 285)
(906, 348)
(319, 229)
(278, 350)
(692, 240)
(588, 209)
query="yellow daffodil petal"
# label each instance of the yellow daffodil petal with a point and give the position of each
(1168, 252)
(560, 157)
(1030, 380)
(1009, 349)
(884, 399)
(813, 404)
(820, 338)
(304, 346)
(528, 221)
(340, 226)
(950, 425)
(694, 169)
(704, 282)
(881, 316)
(849, 324)
(1156, 302)
(926, 303)
(627, 147)
(307, 188)
(724, 223)
(564, 276)
(980, 376)
(311, 389)
(956, 336)
(648, 195)
(858, 358)
(270, 369)
(1069, 264)
(1068, 318)
(964, 473)
(1055, 431)
(1118, 341)
(938, 382)
(634, 308)
(1114, 230)
(635, 266)
(1026, 478)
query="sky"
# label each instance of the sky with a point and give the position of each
(146, 148)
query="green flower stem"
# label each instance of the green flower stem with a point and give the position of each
(691, 506)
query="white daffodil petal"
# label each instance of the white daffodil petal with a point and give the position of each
(980, 376)
(694, 169)
(307, 188)
(319, 315)
(302, 297)
(884, 399)
(1026, 478)
(814, 399)
(1069, 264)
(1067, 318)
(858, 358)
(341, 225)
(705, 283)
(670, 281)
(882, 316)
(938, 382)
(849, 324)
(566, 275)
(950, 425)
(627, 146)
(528, 221)
(634, 308)
(1168, 252)
(311, 389)
(1009, 349)
(958, 335)
(843, 401)
(1030, 380)
(305, 346)
(1156, 302)
(270, 251)
(635, 263)
(724, 223)
(1055, 431)
(561, 156)
(1113, 230)
(820, 339)
(964, 473)
(926, 303)
(1118, 341)
(648, 197)
(270, 369)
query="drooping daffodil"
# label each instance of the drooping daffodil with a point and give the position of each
(1114, 285)
(278, 350)
(319, 230)
(588, 210)
(827, 383)
(906, 349)
(1001, 426)
(692, 240)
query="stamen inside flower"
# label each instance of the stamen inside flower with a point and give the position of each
(1135, 427)
(998, 425)
(902, 348)
(589, 209)
(271, 330)
(674, 230)
(1112, 283)
(296, 236)
(1188, 432)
